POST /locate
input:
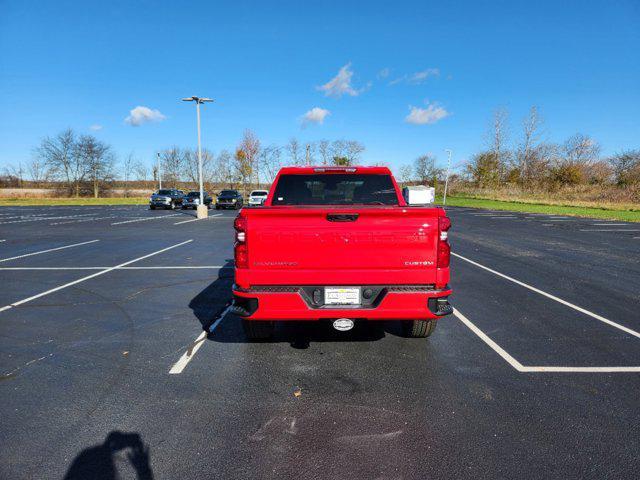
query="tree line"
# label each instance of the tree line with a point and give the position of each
(532, 162)
(529, 162)
(81, 165)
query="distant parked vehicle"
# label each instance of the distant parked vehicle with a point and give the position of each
(192, 200)
(257, 197)
(167, 199)
(229, 199)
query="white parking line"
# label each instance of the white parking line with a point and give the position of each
(186, 357)
(609, 224)
(88, 277)
(47, 251)
(496, 348)
(535, 369)
(84, 220)
(609, 230)
(552, 297)
(196, 219)
(146, 219)
(176, 267)
(505, 216)
(41, 218)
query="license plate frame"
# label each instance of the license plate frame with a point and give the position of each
(348, 296)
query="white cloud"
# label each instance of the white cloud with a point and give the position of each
(315, 115)
(426, 116)
(95, 127)
(340, 84)
(384, 73)
(417, 78)
(140, 115)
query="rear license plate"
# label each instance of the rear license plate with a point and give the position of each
(342, 296)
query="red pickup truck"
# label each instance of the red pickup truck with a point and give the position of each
(340, 244)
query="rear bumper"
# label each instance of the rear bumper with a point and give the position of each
(395, 302)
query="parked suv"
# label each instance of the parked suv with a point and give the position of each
(192, 200)
(166, 198)
(229, 199)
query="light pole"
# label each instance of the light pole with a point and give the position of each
(158, 171)
(446, 179)
(202, 208)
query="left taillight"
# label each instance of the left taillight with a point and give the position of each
(444, 249)
(241, 249)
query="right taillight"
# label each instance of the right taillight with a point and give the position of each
(444, 249)
(240, 248)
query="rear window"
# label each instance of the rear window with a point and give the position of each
(335, 189)
(164, 192)
(259, 193)
(228, 193)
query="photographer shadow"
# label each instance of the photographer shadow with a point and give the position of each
(99, 462)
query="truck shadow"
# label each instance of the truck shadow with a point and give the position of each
(211, 303)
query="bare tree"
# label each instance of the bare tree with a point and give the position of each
(141, 171)
(270, 161)
(192, 169)
(250, 146)
(293, 149)
(353, 150)
(323, 150)
(425, 170)
(580, 149)
(626, 167)
(498, 138)
(226, 173)
(338, 150)
(127, 169)
(172, 160)
(243, 168)
(61, 155)
(405, 173)
(38, 171)
(528, 153)
(17, 172)
(99, 161)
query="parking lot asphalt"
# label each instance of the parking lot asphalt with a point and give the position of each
(106, 369)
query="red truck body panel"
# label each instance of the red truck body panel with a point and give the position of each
(393, 249)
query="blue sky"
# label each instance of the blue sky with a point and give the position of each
(83, 64)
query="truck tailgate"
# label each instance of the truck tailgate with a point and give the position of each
(357, 245)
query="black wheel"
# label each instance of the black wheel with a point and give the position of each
(217, 207)
(420, 328)
(152, 207)
(257, 330)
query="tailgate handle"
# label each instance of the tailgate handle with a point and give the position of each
(342, 217)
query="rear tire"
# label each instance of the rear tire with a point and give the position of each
(420, 328)
(152, 207)
(257, 329)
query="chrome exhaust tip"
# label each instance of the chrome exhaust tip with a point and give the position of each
(343, 324)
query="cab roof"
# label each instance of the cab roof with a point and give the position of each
(356, 169)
